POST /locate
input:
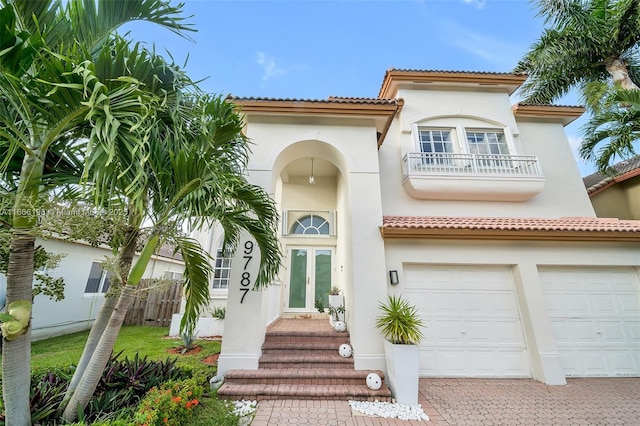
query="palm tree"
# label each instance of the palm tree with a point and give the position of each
(611, 133)
(49, 87)
(589, 42)
(192, 175)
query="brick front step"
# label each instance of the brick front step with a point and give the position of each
(286, 391)
(319, 355)
(300, 376)
(306, 345)
(306, 360)
(301, 340)
(300, 360)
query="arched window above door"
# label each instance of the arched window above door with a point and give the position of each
(311, 224)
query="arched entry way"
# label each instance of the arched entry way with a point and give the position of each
(311, 192)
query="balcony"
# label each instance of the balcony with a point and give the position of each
(471, 177)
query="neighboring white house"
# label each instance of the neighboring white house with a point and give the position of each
(475, 203)
(85, 286)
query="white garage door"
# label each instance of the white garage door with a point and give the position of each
(595, 313)
(473, 321)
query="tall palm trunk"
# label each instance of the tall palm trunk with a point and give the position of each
(125, 258)
(103, 350)
(93, 372)
(16, 353)
(618, 69)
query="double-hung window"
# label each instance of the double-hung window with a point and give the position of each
(99, 280)
(221, 271)
(486, 144)
(433, 143)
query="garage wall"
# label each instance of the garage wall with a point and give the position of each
(474, 321)
(522, 260)
(595, 316)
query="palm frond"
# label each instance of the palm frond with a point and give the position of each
(92, 21)
(197, 272)
(614, 132)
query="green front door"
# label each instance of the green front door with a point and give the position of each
(309, 278)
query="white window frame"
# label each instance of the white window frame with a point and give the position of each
(104, 283)
(173, 275)
(459, 136)
(224, 268)
(292, 216)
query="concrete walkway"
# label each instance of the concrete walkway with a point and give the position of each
(605, 401)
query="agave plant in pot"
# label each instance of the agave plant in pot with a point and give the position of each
(401, 325)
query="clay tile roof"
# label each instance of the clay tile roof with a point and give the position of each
(395, 76)
(623, 170)
(565, 228)
(451, 71)
(329, 100)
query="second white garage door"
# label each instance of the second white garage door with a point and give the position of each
(472, 318)
(595, 314)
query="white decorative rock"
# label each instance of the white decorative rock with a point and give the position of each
(374, 381)
(340, 326)
(345, 350)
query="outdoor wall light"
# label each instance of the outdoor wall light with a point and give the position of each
(312, 178)
(393, 277)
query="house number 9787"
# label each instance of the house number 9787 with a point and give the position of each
(245, 280)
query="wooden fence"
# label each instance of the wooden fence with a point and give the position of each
(155, 303)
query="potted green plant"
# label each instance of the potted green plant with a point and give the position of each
(401, 325)
(336, 301)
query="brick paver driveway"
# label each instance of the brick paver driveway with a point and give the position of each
(492, 402)
(468, 402)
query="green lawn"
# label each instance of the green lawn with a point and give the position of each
(153, 342)
(63, 351)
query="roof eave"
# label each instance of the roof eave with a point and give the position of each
(521, 235)
(511, 82)
(561, 113)
(315, 108)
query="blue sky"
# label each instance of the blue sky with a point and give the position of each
(315, 49)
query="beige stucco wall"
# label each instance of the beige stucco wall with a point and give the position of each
(563, 193)
(354, 193)
(632, 188)
(612, 202)
(621, 200)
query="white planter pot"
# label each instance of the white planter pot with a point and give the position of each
(336, 301)
(403, 365)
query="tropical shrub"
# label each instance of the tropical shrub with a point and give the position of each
(400, 322)
(125, 382)
(169, 404)
(218, 312)
(122, 386)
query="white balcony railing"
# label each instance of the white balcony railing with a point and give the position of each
(471, 177)
(419, 163)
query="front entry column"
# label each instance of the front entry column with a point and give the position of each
(245, 319)
(368, 271)
(546, 364)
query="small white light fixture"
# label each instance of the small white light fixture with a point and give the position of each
(393, 277)
(312, 179)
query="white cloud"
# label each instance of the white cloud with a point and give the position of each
(477, 3)
(269, 66)
(501, 53)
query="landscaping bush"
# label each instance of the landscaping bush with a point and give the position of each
(169, 404)
(123, 384)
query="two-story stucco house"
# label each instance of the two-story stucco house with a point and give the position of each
(474, 204)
